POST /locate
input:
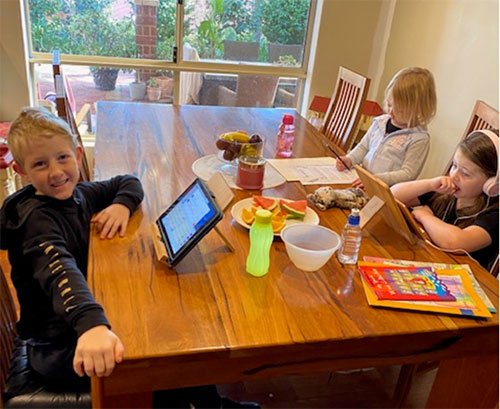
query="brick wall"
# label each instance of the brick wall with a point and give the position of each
(145, 36)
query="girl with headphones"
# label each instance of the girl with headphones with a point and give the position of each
(460, 211)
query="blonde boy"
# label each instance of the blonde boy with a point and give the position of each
(46, 227)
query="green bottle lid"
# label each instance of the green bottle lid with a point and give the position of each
(263, 216)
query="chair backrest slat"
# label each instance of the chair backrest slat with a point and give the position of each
(65, 111)
(344, 111)
(483, 116)
(7, 330)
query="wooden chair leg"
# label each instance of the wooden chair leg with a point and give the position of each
(403, 386)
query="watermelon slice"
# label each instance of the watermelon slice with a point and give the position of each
(268, 203)
(295, 209)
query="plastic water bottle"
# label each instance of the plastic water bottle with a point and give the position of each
(285, 137)
(261, 238)
(351, 239)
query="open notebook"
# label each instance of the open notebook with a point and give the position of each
(394, 212)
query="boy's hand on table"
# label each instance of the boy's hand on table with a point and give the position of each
(111, 220)
(97, 351)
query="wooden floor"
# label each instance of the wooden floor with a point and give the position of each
(364, 389)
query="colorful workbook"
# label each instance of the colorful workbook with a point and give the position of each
(468, 303)
(405, 283)
(439, 266)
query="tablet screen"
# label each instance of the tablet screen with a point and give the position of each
(187, 220)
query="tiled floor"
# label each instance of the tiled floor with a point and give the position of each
(367, 389)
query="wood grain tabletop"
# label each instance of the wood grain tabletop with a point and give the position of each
(207, 320)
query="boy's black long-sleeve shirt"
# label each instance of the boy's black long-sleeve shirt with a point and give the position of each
(47, 241)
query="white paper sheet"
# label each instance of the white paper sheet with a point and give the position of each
(313, 171)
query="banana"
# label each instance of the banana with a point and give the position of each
(248, 150)
(236, 136)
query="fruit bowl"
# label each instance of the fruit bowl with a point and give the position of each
(234, 144)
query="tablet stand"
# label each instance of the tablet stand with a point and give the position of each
(223, 196)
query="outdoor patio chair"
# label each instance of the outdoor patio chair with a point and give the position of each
(280, 50)
(65, 111)
(342, 117)
(241, 51)
(251, 91)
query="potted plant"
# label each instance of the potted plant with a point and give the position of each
(153, 90)
(137, 88)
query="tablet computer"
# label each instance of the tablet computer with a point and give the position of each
(395, 213)
(188, 220)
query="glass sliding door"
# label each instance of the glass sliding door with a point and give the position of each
(177, 46)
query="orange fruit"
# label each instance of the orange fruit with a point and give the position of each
(278, 223)
(248, 214)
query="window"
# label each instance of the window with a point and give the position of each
(133, 41)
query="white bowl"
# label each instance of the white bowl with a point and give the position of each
(309, 246)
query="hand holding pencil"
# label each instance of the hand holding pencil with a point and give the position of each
(343, 163)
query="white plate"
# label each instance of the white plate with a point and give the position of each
(206, 166)
(311, 216)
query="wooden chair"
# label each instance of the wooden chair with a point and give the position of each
(7, 332)
(251, 91)
(343, 114)
(483, 116)
(241, 50)
(65, 111)
(19, 386)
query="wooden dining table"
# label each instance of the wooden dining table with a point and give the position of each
(208, 321)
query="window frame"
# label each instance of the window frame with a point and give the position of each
(204, 66)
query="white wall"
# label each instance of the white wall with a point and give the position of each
(347, 35)
(14, 92)
(458, 41)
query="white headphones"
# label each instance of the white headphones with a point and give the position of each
(490, 187)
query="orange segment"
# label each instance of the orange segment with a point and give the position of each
(248, 214)
(278, 224)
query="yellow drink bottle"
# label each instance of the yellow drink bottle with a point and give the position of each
(261, 238)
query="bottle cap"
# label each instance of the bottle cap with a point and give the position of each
(287, 119)
(263, 216)
(353, 218)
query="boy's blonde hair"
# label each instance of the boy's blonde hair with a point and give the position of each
(33, 124)
(414, 95)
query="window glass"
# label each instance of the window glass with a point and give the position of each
(247, 90)
(263, 31)
(111, 28)
(87, 85)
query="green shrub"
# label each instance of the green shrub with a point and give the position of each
(81, 27)
(285, 21)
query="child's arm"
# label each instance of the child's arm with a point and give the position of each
(125, 190)
(408, 192)
(340, 166)
(97, 351)
(356, 155)
(113, 219)
(113, 201)
(449, 236)
(414, 160)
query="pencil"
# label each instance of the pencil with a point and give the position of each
(337, 155)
